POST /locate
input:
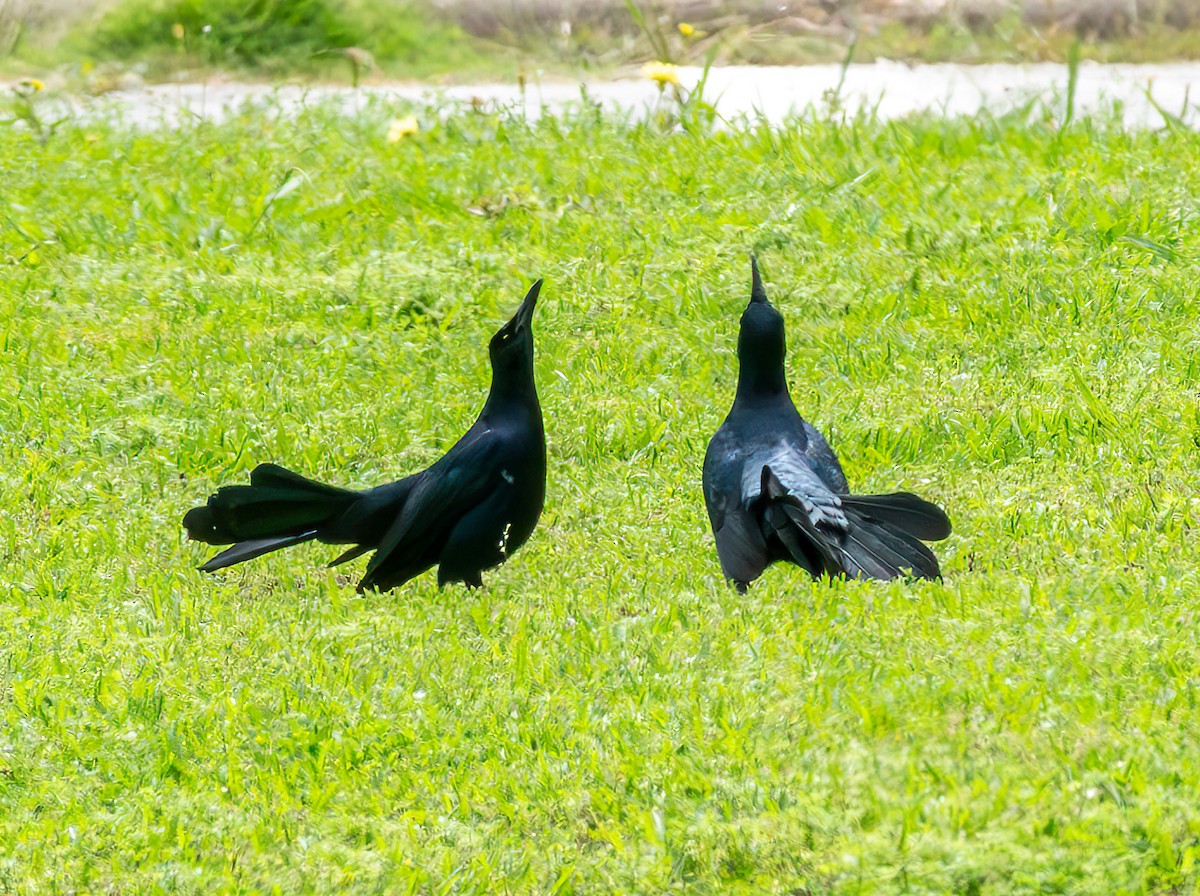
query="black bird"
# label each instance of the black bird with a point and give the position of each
(467, 513)
(775, 490)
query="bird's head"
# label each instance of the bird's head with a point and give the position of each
(511, 349)
(761, 340)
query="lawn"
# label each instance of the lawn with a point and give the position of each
(998, 313)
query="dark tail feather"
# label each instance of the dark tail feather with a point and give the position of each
(278, 508)
(275, 476)
(870, 547)
(248, 550)
(357, 551)
(801, 546)
(916, 516)
(881, 552)
(808, 545)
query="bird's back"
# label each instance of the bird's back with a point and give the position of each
(768, 432)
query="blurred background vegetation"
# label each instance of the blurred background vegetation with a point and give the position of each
(457, 39)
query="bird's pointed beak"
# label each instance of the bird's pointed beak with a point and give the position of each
(524, 315)
(757, 292)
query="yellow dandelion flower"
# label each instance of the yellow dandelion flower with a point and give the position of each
(686, 30)
(177, 31)
(401, 128)
(662, 72)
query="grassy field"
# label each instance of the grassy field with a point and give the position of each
(997, 313)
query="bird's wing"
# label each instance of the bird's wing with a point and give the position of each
(442, 494)
(824, 461)
(796, 475)
(740, 544)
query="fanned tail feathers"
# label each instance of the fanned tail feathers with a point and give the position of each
(904, 511)
(879, 536)
(277, 509)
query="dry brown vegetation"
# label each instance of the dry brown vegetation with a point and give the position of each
(602, 33)
(17, 16)
(1097, 18)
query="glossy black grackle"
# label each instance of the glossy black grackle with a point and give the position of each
(775, 490)
(466, 513)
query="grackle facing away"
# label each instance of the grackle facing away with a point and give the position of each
(466, 513)
(775, 490)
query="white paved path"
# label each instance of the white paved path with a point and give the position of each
(893, 89)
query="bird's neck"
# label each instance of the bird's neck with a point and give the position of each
(758, 384)
(510, 392)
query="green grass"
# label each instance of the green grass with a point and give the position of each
(990, 311)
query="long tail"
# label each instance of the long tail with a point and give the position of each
(277, 509)
(873, 537)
